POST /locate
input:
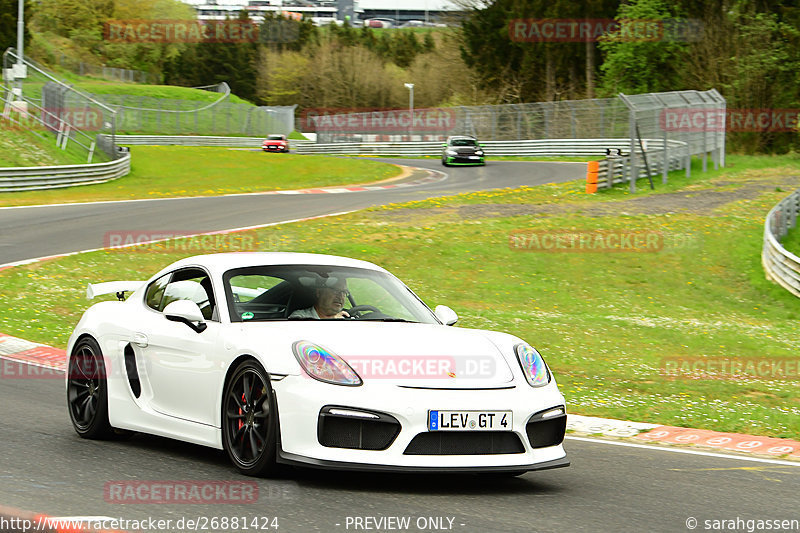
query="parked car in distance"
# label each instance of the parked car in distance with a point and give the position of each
(275, 143)
(462, 150)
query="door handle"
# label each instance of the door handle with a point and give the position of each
(140, 340)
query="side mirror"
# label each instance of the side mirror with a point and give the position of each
(188, 312)
(447, 316)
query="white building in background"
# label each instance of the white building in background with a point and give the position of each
(323, 12)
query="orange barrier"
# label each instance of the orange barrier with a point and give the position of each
(592, 170)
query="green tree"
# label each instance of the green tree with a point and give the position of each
(516, 70)
(9, 10)
(637, 61)
(428, 43)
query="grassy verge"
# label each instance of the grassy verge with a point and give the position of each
(169, 171)
(609, 324)
(24, 148)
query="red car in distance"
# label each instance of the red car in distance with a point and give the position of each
(275, 143)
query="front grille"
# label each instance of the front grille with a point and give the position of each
(546, 432)
(356, 433)
(465, 443)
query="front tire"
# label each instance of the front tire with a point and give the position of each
(87, 391)
(249, 420)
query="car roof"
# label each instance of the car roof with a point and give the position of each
(454, 137)
(217, 264)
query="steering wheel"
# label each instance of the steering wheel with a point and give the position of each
(356, 310)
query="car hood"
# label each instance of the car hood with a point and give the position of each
(413, 355)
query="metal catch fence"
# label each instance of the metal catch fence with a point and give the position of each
(35, 99)
(666, 122)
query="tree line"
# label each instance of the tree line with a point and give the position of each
(749, 50)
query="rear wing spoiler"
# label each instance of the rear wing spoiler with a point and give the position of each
(112, 287)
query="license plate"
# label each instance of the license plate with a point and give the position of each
(474, 157)
(469, 420)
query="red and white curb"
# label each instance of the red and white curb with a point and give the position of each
(738, 442)
(655, 433)
(605, 426)
(432, 177)
(20, 350)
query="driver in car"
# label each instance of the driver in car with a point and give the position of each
(330, 302)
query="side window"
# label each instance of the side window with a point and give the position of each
(155, 292)
(191, 284)
(251, 287)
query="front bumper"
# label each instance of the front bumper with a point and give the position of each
(300, 400)
(275, 148)
(465, 160)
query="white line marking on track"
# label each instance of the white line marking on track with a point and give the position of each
(683, 450)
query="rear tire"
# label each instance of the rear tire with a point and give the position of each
(248, 420)
(87, 391)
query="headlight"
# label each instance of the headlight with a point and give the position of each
(451, 152)
(324, 365)
(478, 152)
(533, 366)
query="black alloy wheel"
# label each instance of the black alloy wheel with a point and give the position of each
(87, 391)
(248, 420)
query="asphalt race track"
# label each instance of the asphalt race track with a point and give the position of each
(26, 233)
(47, 468)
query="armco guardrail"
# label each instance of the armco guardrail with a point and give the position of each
(615, 170)
(781, 266)
(197, 140)
(534, 147)
(37, 178)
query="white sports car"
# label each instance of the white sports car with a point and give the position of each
(233, 351)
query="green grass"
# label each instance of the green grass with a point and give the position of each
(170, 171)
(605, 322)
(168, 92)
(25, 148)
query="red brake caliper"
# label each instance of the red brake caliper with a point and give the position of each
(241, 420)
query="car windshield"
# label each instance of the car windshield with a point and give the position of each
(277, 292)
(463, 142)
(275, 137)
